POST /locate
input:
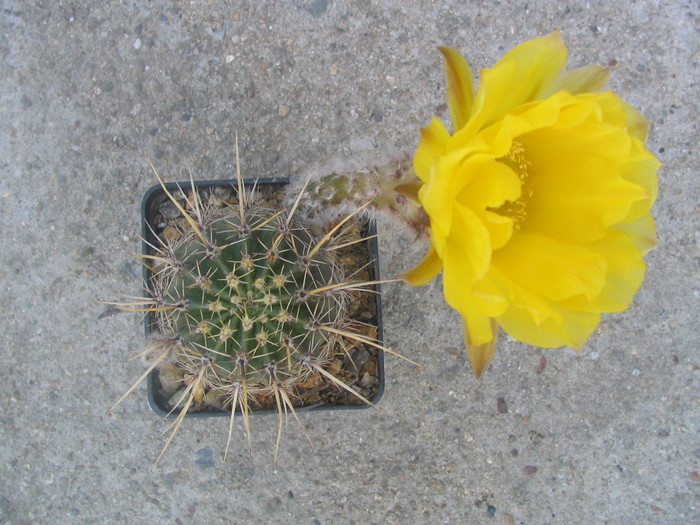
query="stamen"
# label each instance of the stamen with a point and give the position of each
(516, 210)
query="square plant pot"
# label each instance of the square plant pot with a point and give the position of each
(365, 367)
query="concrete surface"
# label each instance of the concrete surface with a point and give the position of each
(92, 93)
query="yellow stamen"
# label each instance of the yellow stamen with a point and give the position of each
(517, 210)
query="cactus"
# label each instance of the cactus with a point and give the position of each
(249, 302)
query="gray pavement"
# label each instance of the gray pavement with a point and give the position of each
(92, 93)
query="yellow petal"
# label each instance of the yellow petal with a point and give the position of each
(481, 355)
(641, 169)
(500, 228)
(619, 113)
(425, 271)
(488, 298)
(538, 308)
(551, 268)
(524, 74)
(637, 125)
(576, 128)
(460, 87)
(625, 274)
(642, 232)
(433, 143)
(566, 328)
(448, 177)
(575, 198)
(587, 79)
(536, 320)
(526, 118)
(466, 258)
(492, 184)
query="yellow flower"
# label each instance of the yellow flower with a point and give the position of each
(539, 201)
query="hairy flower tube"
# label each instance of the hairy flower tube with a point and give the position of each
(539, 200)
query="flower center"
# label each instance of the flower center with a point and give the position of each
(516, 210)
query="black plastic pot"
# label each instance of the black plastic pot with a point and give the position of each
(153, 198)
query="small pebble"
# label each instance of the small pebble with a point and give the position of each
(491, 511)
(229, 59)
(333, 70)
(137, 43)
(283, 110)
(529, 470)
(214, 398)
(178, 399)
(168, 210)
(221, 195)
(170, 233)
(359, 358)
(170, 379)
(508, 519)
(502, 406)
(436, 485)
(595, 355)
(368, 380)
(542, 364)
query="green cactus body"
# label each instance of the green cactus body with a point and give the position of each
(248, 297)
